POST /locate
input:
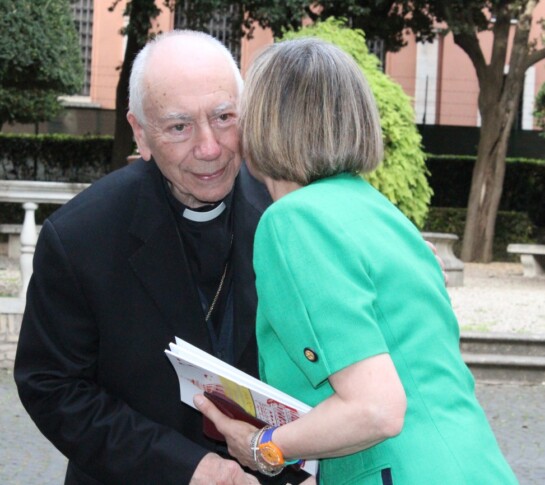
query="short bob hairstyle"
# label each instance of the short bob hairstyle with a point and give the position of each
(307, 113)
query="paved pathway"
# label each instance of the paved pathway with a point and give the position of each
(516, 413)
(494, 297)
(517, 416)
(26, 457)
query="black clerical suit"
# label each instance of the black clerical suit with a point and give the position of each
(111, 288)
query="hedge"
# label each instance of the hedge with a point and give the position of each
(523, 190)
(511, 227)
(87, 158)
(60, 158)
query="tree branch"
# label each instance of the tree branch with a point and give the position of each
(469, 43)
(500, 32)
(461, 22)
(534, 58)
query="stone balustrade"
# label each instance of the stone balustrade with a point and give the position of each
(30, 194)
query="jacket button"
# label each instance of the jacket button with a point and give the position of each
(311, 355)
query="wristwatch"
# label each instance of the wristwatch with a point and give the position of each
(269, 451)
(268, 456)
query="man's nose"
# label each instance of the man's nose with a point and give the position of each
(207, 146)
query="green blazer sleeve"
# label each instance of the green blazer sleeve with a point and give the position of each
(315, 292)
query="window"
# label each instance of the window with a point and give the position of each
(376, 46)
(82, 11)
(220, 26)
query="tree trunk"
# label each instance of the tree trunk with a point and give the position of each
(141, 13)
(123, 138)
(485, 193)
(498, 102)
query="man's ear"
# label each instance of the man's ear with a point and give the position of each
(139, 137)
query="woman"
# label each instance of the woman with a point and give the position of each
(353, 316)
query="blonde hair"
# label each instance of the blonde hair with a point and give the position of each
(307, 113)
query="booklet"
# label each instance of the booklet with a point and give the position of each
(235, 393)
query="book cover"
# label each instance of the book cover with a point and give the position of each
(199, 372)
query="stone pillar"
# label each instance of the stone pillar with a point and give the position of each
(28, 245)
(444, 242)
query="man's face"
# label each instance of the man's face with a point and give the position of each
(191, 129)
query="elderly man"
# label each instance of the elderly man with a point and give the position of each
(161, 248)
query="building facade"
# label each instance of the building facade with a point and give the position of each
(438, 76)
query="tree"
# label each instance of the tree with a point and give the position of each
(499, 92)
(379, 19)
(39, 59)
(140, 14)
(499, 95)
(402, 175)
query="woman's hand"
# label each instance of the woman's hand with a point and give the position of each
(238, 434)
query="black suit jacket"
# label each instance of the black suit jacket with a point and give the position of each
(110, 290)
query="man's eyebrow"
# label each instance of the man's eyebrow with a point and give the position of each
(221, 108)
(177, 117)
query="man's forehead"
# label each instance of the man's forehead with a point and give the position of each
(185, 56)
(176, 79)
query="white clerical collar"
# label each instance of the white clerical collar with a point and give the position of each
(204, 216)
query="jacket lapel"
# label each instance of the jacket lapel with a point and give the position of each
(250, 201)
(160, 263)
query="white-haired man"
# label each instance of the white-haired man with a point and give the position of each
(160, 248)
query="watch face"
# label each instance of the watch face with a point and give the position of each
(271, 454)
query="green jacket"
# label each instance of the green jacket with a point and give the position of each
(342, 272)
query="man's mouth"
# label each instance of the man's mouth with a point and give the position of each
(206, 177)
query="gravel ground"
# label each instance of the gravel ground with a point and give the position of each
(497, 298)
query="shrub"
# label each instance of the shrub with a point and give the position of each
(511, 227)
(402, 176)
(523, 187)
(60, 158)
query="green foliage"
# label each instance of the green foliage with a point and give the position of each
(39, 59)
(387, 21)
(402, 176)
(61, 158)
(28, 106)
(382, 20)
(539, 111)
(511, 227)
(140, 14)
(58, 158)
